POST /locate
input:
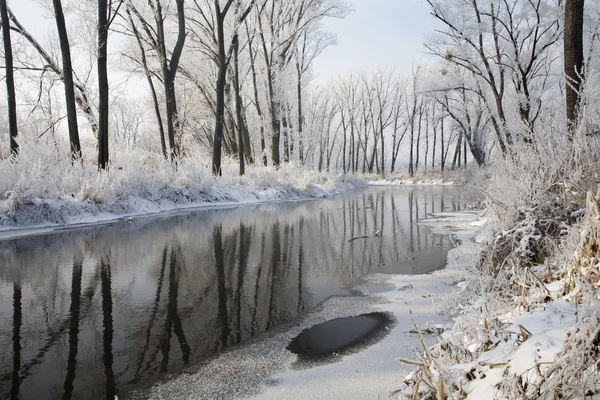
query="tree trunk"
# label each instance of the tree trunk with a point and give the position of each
(220, 116)
(573, 48)
(444, 151)
(171, 100)
(169, 70)
(238, 105)
(465, 154)
(456, 159)
(103, 87)
(286, 137)
(263, 144)
(301, 122)
(148, 74)
(411, 168)
(10, 80)
(275, 122)
(68, 80)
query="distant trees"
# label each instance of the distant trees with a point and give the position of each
(380, 119)
(508, 48)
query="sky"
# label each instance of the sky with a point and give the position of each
(378, 33)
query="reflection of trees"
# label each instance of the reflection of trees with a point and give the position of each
(173, 321)
(245, 239)
(411, 201)
(254, 326)
(73, 328)
(273, 272)
(107, 322)
(17, 322)
(153, 314)
(222, 290)
(300, 305)
(57, 331)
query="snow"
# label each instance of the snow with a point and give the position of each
(420, 178)
(514, 359)
(412, 182)
(29, 208)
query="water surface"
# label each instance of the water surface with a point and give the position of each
(93, 312)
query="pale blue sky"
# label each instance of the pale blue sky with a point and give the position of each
(378, 33)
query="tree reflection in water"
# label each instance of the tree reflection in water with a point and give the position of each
(153, 296)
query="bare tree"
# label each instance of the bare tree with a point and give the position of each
(308, 48)
(65, 48)
(169, 60)
(10, 79)
(281, 24)
(106, 15)
(50, 64)
(224, 58)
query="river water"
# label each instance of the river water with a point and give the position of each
(94, 312)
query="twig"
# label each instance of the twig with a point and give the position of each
(358, 237)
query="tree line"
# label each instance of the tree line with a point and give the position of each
(233, 77)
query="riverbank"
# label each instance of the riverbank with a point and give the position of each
(100, 197)
(421, 178)
(526, 324)
(265, 370)
(41, 201)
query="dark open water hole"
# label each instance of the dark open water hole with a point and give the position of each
(339, 335)
(88, 313)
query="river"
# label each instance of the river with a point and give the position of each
(99, 311)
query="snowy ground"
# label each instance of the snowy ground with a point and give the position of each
(265, 370)
(533, 340)
(421, 178)
(32, 210)
(411, 182)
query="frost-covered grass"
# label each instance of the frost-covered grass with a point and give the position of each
(524, 327)
(43, 188)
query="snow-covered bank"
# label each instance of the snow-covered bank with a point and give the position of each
(412, 182)
(427, 178)
(527, 323)
(83, 196)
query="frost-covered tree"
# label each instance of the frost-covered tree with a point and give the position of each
(508, 46)
(281, 24)
(153, 34)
